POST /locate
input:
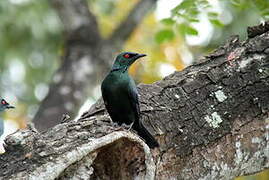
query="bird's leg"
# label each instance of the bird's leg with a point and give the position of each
(128, 127)
(131, 125)
(125, 126)
(117, 126)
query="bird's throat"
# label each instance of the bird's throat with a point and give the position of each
(121, 69)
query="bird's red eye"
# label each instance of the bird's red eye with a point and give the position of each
(126, 55)
(3, 102)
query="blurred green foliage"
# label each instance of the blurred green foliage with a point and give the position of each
(30, 40)
(165, 34)
(227, 17)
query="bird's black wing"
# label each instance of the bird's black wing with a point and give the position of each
(138, 126)
(133, 98)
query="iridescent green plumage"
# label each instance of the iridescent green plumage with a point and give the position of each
(121, 98)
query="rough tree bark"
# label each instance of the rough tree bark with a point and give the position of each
(86, 59)
(211, 121)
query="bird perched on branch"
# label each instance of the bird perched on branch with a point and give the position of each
(121, 98)
(3, 106)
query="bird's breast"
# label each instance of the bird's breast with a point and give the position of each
(116, 87)
(115, 83)
(115, 91)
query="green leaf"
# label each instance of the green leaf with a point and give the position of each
(186, 4)
(212, 15)
(168, 21)
(164, 35)
(236, 2)
(193, 20)
(204, 4)
(265, 13)
(193, 12)
(191, 31)
(186, 29)
(216, 22)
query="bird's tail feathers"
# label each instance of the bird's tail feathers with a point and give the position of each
(145, 134)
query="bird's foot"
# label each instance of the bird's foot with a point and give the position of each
(117, 127)
(128, 127)
(114, 124)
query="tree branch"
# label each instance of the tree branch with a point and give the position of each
(127, 26)
(211, 121)
(79, 23)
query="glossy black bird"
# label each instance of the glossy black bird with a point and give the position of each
(3, 106)
(121, 98)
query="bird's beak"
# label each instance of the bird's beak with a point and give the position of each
(139, 56)
(10, 107)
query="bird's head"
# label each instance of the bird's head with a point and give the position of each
(125, 60)
(5, 105)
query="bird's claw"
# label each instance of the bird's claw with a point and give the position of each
(116, 126)
(128, 127)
